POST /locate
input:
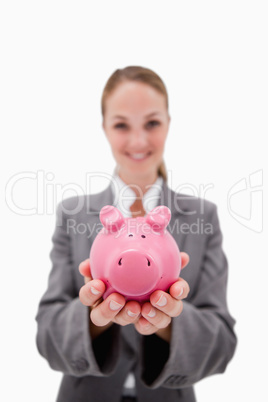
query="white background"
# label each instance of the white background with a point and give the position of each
(55, 59)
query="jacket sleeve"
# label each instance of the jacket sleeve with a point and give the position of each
(63, 336)
(203, 340)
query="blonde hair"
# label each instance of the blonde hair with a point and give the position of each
(140, 74)
(162, 171)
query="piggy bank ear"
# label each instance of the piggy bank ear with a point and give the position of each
(111, 218)
(159, 218)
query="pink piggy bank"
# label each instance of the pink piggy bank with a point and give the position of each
(135, 256)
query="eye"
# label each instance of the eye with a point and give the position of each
(120, 126)
(143, 236)
(153, 123)
(130, 235)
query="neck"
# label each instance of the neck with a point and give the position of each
(138, 184)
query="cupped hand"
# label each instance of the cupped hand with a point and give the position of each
(114, 309)
(152, 317)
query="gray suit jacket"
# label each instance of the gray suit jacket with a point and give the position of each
(203, 340)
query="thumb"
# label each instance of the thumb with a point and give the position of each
(184, 259)
(84, 269)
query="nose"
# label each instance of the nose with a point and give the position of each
(138, 139)
(134, 273)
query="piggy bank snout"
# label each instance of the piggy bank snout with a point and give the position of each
(134, 273)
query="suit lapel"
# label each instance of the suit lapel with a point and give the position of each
(95, 202)
(179, 207)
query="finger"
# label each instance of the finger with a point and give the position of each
(184, 259)
(166, 303)
(180, 289)
(84, 268)
(129, 313)
(155, 316)
(144, 327)
(107, 310)
(91, 292)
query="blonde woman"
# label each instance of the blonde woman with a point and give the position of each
(112, 350)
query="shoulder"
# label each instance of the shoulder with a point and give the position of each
(85, 204)
(189, 205)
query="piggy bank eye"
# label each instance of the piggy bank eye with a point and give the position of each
(143, 236)
(130, 235)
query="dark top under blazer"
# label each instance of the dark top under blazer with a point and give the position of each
(203, 340)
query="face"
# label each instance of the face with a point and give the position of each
(136, 124)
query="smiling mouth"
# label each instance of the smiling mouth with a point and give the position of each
(139, 156)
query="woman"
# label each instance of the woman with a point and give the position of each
(115, 350)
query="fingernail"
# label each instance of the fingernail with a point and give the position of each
(95, 291)
(131, 314)
(115, 306)
(181, 292)
(162, 301)
(152, 313)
